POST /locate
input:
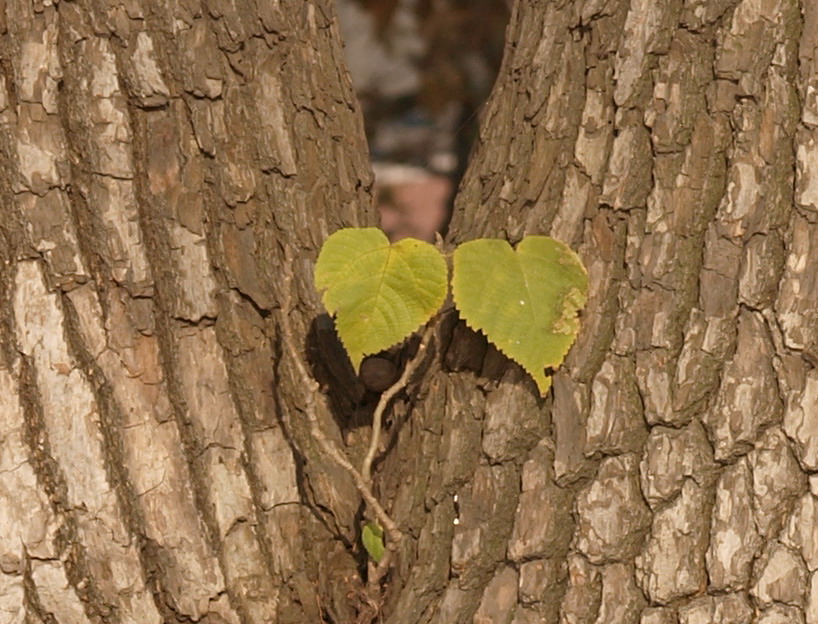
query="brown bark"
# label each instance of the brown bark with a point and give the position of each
(157, 159)
(161, 159)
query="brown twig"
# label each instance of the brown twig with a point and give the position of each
(386, 397)
(312, 391)
(376, 572)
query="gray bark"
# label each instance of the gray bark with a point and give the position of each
(158, 158)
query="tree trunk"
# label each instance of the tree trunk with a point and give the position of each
(157, 159)
(161, 160)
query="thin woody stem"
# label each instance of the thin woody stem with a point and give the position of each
(376, 572)
(386, 397)
(379, 570)
(313, 391)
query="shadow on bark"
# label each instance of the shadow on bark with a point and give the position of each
(351, 401)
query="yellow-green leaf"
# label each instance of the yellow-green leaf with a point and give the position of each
(525, 302)
(379, 293)
(372, 538)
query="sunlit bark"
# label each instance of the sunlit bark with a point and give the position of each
(160, 159)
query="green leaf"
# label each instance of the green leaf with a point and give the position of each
(379, 293)
(372, 537)
(525, 302)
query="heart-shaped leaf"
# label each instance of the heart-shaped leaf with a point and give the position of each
(379, 293)
(525, 302)
(372, 538)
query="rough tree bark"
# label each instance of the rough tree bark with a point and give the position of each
(160, 159)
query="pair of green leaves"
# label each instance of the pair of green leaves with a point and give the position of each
(524, 301)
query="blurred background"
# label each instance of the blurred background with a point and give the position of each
(423, 70)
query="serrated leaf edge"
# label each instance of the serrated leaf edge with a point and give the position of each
(323, 293)
(534, 374)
